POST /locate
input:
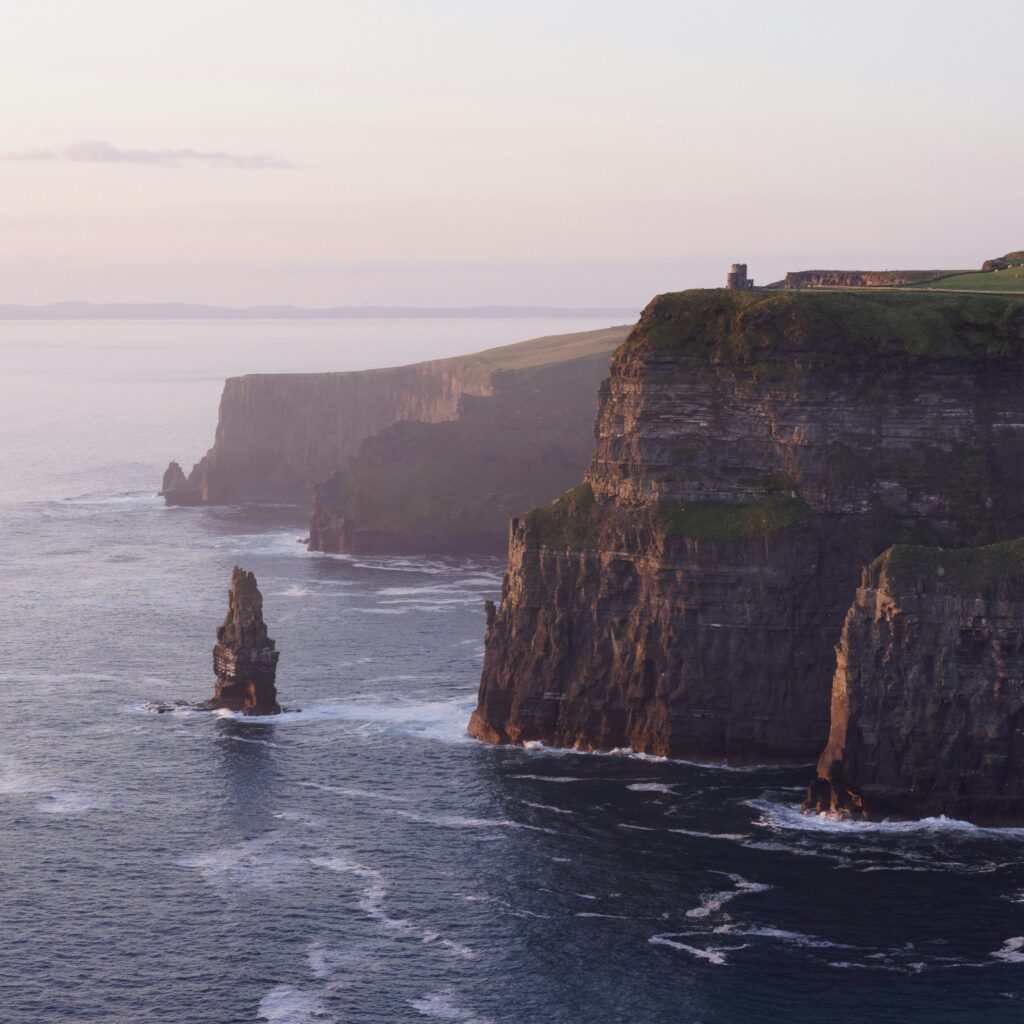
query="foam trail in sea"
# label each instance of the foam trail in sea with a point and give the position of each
(286, 1004)
(371, 902)
(442, 1006)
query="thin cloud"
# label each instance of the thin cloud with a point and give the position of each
(96, 151)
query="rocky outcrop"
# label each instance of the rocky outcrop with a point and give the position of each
(1011, 259)
(245, 658)
(754, 451)
(928, 694)
(861, 278)
(278, 435)
(452, 487)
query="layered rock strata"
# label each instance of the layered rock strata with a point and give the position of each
(928, 694)
(245, 658)
(278, 435)
(754, 451)
(452, 487)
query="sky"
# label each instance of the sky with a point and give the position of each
(467, 152)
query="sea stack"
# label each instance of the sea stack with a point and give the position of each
(928, 694)
(245, 658)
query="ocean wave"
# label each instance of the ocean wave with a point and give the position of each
(650, 787)
(789, 816)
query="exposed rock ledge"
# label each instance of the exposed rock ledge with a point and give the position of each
(928, 694)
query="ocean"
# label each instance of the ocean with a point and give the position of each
(361, 859)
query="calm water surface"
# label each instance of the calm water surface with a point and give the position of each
(362, 860)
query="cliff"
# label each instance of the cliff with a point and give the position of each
(245, 658)
(928, 694)
(278, 435)
(754, 451)
(452, 487)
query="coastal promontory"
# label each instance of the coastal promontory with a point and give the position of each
(754, 451)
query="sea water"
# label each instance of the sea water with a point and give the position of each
(362, 860)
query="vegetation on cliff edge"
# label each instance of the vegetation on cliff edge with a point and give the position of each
(834, 328)
(905, 566)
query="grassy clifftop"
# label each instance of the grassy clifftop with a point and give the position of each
(905, 566)
(833, 327)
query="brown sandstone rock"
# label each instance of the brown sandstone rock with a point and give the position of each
(245, 659)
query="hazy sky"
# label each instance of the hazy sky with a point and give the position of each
(456, 152)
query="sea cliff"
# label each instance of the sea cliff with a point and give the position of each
(928, 694)
(430, 457)
(754, 451)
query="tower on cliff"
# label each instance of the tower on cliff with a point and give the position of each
(736, 279)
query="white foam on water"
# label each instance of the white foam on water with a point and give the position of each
(731, 836)
(713, 954)
(292, 591)
(443, 720)
(56, 798)
(712, 902)
(463, 822)
(590, 913)
(442, 1006)
(131, 499)
(650, 787)
(252, 863)
(546, 807)
(353, 792)
(72, 803)
(551, 778)
(371, 902)
(781, 935)
(327, 962)
(1012, 951)
(789, 816)
(286, 1004)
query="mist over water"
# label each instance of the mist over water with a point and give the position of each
(362, 860)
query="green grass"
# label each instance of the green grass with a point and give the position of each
(1009, 280)
(827, 327)
(961, 568)
(571, 521)
(558, 348)
(717, 521)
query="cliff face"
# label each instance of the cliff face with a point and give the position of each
(754, 451)
(928, 695)
(278, 435)
(245, 658)
(452, 487)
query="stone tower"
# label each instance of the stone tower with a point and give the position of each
(736, 279)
